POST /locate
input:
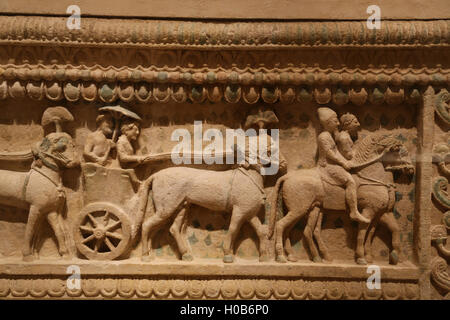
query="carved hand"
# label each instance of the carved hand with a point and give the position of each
(102, 161)
(347, 165)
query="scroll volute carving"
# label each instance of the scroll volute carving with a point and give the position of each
(441, 154)
(441, 105)
(439, 233)
(439, 265)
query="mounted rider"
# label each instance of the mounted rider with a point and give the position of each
(261, 150)
(349, 131)
(333, 166)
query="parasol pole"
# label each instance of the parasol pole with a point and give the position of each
(116, 127)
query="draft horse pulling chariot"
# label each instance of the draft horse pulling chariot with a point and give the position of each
(40, 189)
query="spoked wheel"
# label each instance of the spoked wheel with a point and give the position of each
(102, 231)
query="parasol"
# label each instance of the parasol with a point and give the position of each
(56, 115)
(264, 115)
(119, 112)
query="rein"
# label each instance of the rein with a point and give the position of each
(375, 182)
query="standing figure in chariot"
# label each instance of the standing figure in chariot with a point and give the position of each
(98, 144)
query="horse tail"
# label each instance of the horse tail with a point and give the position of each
(274, 205)
(144, 199)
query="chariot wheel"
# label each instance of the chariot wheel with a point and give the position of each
(102, 231)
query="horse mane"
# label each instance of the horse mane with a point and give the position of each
(368, 147)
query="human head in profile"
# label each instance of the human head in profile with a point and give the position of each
(349, 132)
(98, 143)
(126, 153)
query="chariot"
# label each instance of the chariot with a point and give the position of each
(113, 208)
(108, 221)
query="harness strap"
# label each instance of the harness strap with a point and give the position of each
(25, 186)
(61, 193)
(46, 176)
(41, 155)
(254, 182)
(377, 182)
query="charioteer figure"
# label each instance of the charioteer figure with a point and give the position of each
(126, 152)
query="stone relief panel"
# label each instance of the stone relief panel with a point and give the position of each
(137, 134)
(88, 131)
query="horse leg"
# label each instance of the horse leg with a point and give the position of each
(318, 236)
(287, 243)
(148, 229)
(308, 232)
(388, 219)
(369, 240)
(52, 219)
(30, 229)
(237, 218)
(362, 231)
(280, 227)
(175, 231)
(37, 240)
(261, 231)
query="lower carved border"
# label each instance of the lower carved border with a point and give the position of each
(165, 288)
(203, 280)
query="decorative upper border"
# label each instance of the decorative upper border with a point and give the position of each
(158, 85)
(210, 35)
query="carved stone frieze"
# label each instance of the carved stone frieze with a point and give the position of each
(107, 135)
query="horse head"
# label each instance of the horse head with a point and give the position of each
(56, 151)
(396, 156)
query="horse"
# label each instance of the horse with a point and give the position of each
(239, 192)
(40, 189)
(304, 191)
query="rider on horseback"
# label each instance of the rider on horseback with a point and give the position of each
(333, 166)
(344, 139)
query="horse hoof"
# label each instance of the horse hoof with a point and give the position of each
(292, 258)
(228, 258)
(28, 258)
(317, 259)
(66, 256)
(361, 261)
(187, 257)
(281, 259)
(393, 257)
(147, 258)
